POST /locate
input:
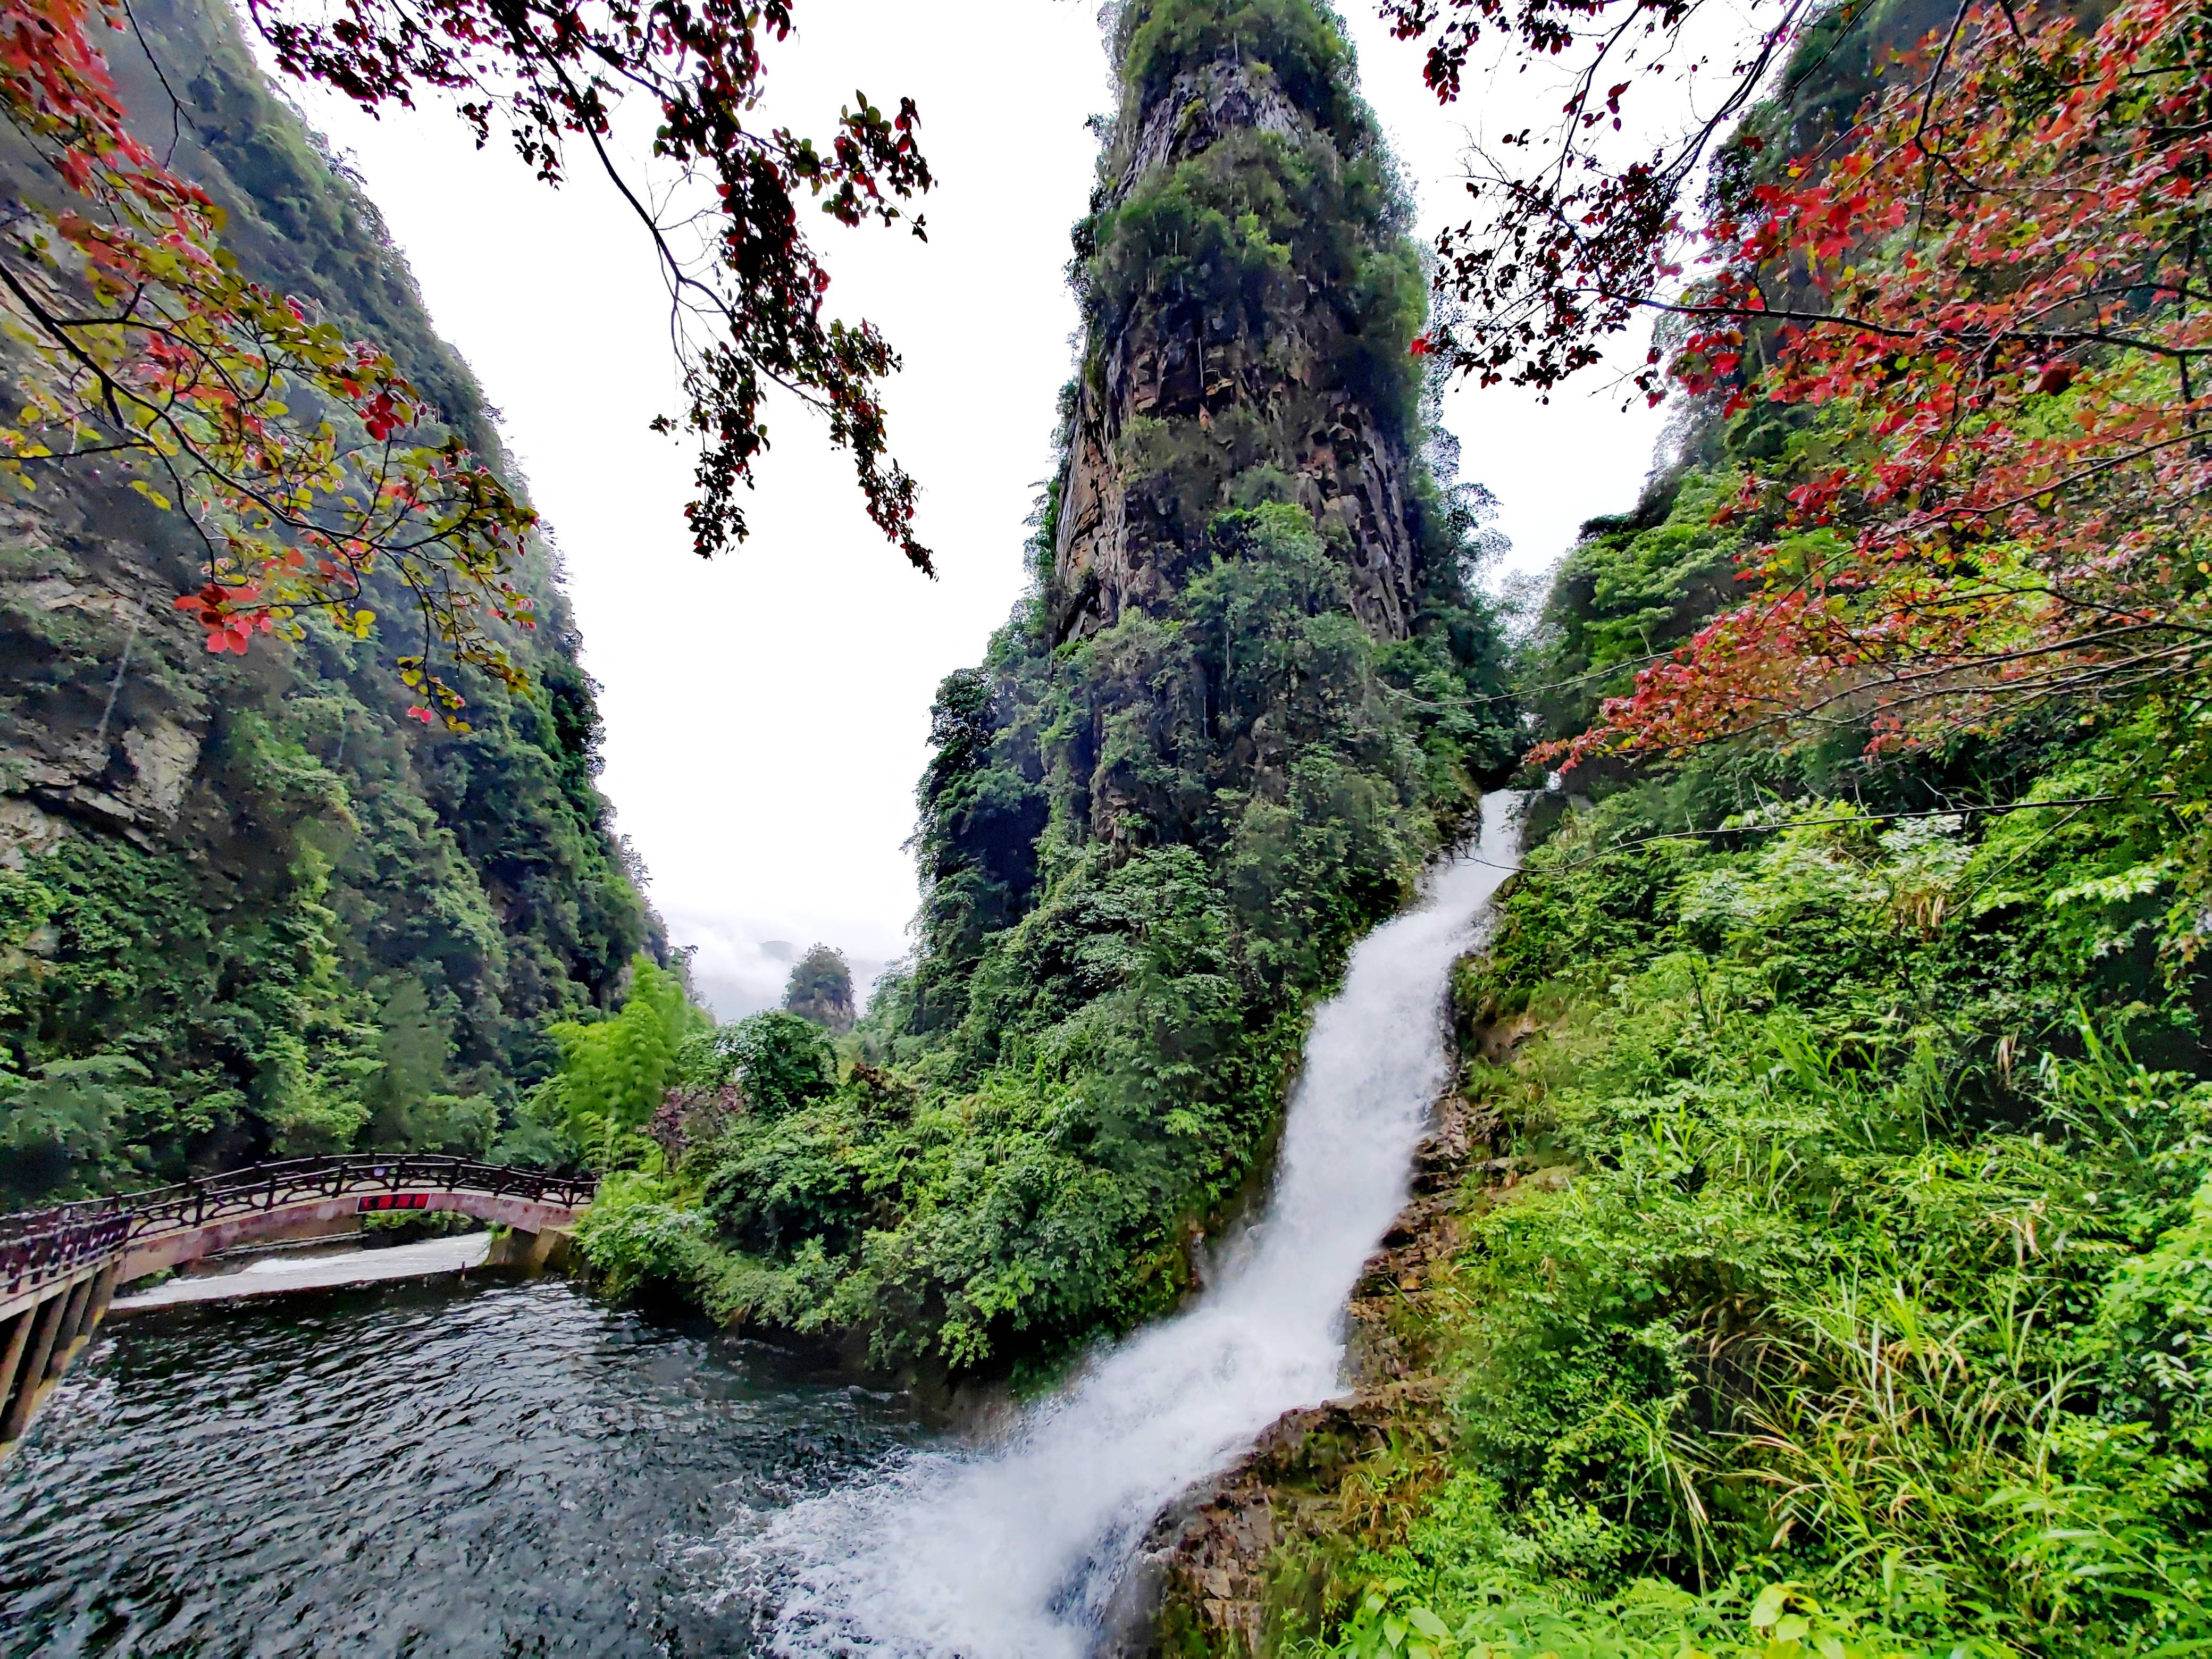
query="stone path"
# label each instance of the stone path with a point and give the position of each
(273, 1275)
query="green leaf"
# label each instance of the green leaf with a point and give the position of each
(1768, 1608)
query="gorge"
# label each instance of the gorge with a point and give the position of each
(1665, 1116)
(827, 1524)
(1256, 557)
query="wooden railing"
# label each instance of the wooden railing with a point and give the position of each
(38, 1245)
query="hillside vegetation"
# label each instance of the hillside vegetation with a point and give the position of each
(1250, 690)
(247, 909)
(1838, 1280)
(1853, 1241)
(1837, 1287)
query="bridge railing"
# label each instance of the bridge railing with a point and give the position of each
(37, 1245)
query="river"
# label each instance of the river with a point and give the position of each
(500, 1468)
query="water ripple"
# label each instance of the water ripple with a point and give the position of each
(494, 1469)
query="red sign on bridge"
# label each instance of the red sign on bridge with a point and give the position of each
(395, 1201)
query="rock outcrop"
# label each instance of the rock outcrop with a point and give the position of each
(101, 728)
(1241, 382)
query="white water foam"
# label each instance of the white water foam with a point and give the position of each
(1013, 1552)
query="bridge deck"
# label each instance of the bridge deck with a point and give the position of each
(60, 1268)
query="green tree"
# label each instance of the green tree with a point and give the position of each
(615, 1070)
(821, 989)
(780, 1061)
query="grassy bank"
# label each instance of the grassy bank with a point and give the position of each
(1858, 1307)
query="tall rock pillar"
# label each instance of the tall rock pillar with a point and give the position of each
(1251, 298)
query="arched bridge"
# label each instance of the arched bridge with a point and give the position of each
(59, 1267)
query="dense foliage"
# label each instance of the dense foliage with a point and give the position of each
(247, 909)
(1835, 1292)
(1857, 1186)
(615, 1072)
(1145, 851)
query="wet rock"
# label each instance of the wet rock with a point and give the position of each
(1200, 1584)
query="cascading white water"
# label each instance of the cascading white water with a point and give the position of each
(1012, 1553)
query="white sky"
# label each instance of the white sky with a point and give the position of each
(766, 714)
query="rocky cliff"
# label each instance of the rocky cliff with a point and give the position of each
(1249, 297)
(245, 908)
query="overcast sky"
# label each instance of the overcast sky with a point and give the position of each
(766, 714)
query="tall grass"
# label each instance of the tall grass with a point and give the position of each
(1866, 1318)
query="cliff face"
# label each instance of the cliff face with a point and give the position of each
(1249, 289)
(246, 907)
(1250, 691)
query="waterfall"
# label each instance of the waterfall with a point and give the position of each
(1013, 1552)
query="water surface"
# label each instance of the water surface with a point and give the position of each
(505, 1467)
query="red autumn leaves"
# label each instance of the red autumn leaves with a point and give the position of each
(146, 343)
(1982, 316)
(228, 614)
